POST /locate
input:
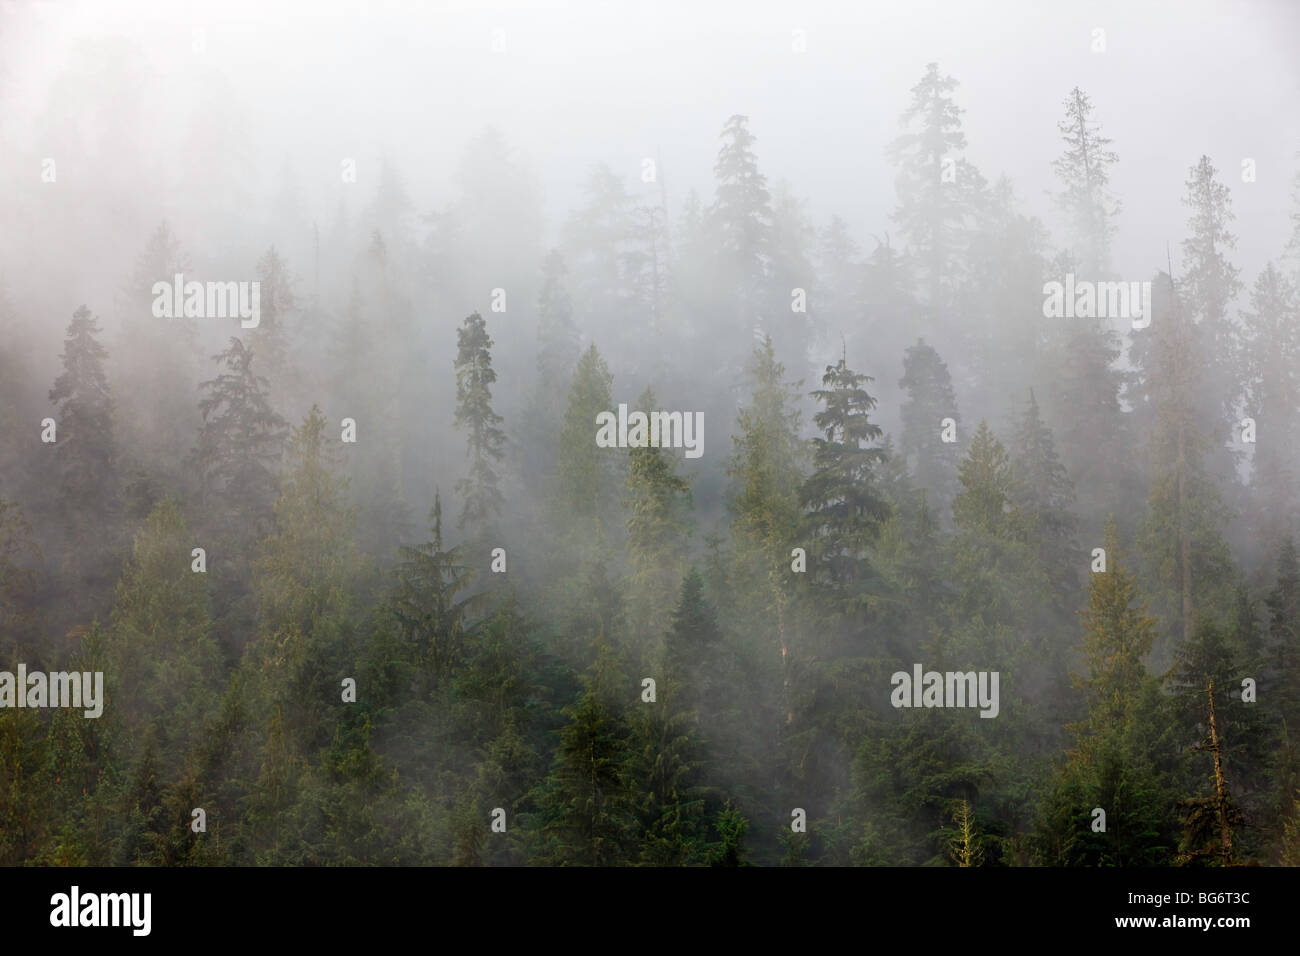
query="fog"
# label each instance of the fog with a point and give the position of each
(581, 176)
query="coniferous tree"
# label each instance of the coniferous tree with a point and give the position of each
(240, 442)
(1283, 604)
(307, 579)
(939, 191)
(588, 475)
(154, 368)
(844, 506)
(1045, 496)
(557, 337)
(657, 501)
(1185, 554)
(85, 457)
(426, 608)
(740, 221)
(589, 796)
(474, 379)
(271, 338)
(166, 665)
(1115, 763)
(1209, 285)
(19, 553)
(930, 400)
(1084, 171)
(1272, 368)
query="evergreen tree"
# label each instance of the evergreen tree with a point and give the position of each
(589, 796)
(1084, 171)
(930, 400)
(85, 457)
(1115, 762)
(1045, 496)
(429, 615)
(740, 221)
(588, 475)
(657, 501)
(239, 443)
(1209, 284)
(939, 191)
(1186, 556)
(845, 508)
(271, 338)
(18, 554)
(155, 365)
(166, 667)
(1272, 366)
(474, 379)
(557, 336)
(306, 584)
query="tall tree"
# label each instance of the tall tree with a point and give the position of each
(657, 500)
(240, 442)
(589, 796)
(1272, 367)
(1114, 764)
(85, 457)
(1045, 495)
(1186, 557)
(427, 609)
(588, 475)
(930, 400)
(844, 505)
(307, 580)
(474, 379)
(939, 191)
(1084, 171)
(741, 222)
(1209, 285)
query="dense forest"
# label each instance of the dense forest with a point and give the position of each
(365, 591)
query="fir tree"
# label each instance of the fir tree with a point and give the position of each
(939, 191)
(86, 461)
(590, 821)
(930, 400)
(240, 442)
(474, 379)
(1272, 366)
(657, 501)
(1084, 171)
(844, 506)
(426, 608)
(1114, 762)
(587, 475)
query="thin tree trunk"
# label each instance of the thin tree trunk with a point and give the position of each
(1220, 785)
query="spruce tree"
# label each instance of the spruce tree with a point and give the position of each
(929, 401)
(589, 798)
(426, 608)
(1084, 171)
(1045, 496)
(1209, 285)
(1186, 557)
(85, 457)
(474, 379)
(1115, 763)
(843, 504)
(306, 584)
(939, 191)
(1272, 367)
(657, 501)
(740, 226)
(588, 476)
(240, 443)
